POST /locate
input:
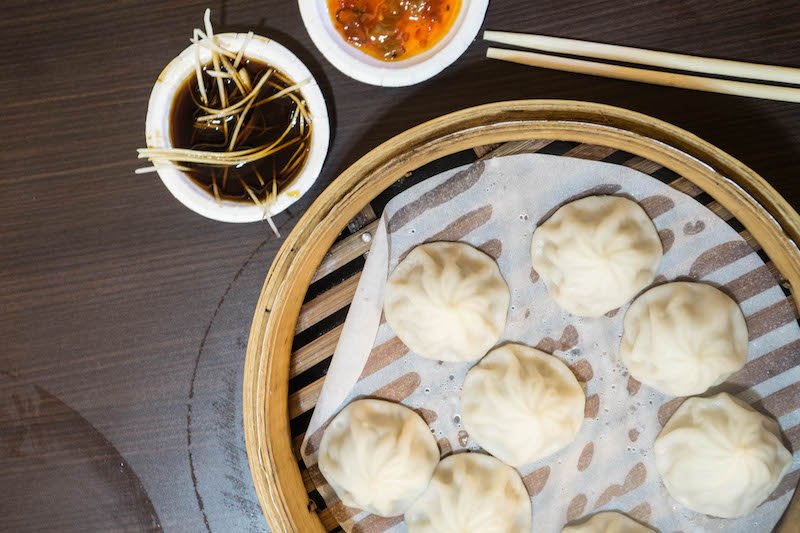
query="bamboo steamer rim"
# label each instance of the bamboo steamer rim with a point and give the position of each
(758, 206)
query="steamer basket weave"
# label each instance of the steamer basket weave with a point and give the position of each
(312, 281)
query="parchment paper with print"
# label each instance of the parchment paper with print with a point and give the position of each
(495, 205)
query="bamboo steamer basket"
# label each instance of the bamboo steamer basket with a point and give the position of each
(274, 419)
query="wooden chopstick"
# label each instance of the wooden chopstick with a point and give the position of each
(628, 54)
(683, 81)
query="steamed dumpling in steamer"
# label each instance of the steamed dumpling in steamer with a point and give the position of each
(472, 493)
(378, 456)
(596, 253)
(521, 404)
(720, 457)
(447, 301)
(682, 338)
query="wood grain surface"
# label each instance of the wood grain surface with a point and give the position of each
(124, 317)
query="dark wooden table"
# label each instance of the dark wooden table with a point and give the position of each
(124, 316)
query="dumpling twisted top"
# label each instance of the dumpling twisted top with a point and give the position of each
(447, 301)
(596, 253)
(471, 493)
(520, 404)
(681, 338)
(720, 457)
(378, 456)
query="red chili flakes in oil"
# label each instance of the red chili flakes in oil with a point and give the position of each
(390, 30)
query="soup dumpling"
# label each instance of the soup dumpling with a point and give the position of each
(447, 301)
(378, 456)
(596, 253)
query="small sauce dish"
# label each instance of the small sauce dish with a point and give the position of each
(159, 112)
(401, 72)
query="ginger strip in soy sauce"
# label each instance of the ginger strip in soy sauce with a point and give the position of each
(262, 121)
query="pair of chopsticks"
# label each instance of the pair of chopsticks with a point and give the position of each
(669, 60)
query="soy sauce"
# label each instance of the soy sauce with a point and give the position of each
(263, 125)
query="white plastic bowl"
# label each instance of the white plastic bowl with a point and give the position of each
(362, 67)
(157, 128)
